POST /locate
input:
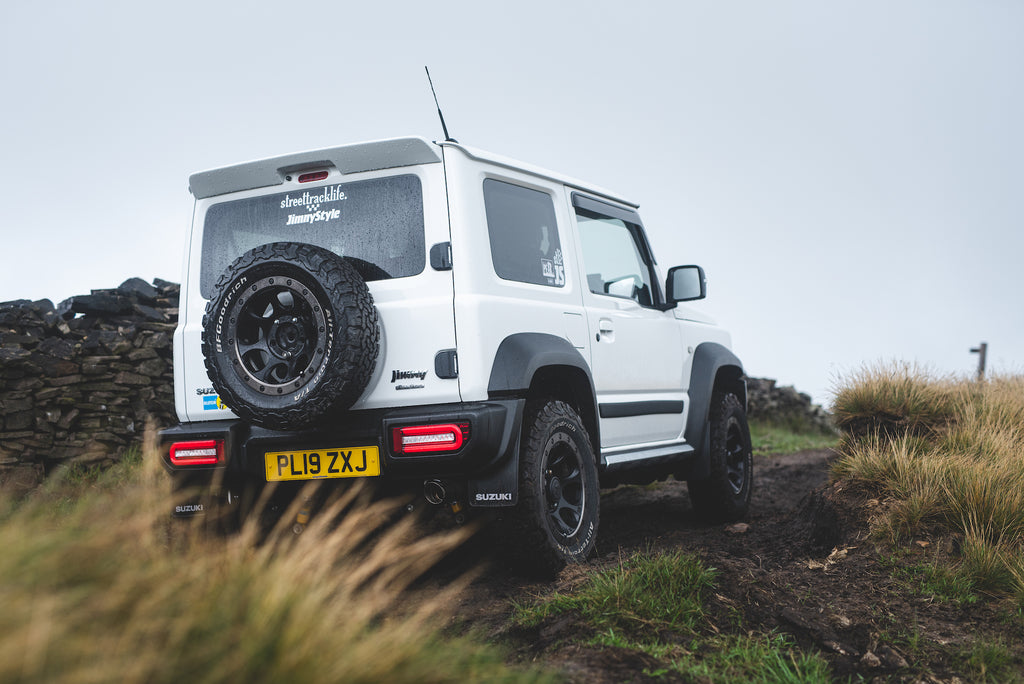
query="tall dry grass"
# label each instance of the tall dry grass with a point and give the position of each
(105, 590)
(948, 453)
(894, 398)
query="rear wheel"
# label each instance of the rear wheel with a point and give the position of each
(290, 335)
(556, 520)
(724, 496)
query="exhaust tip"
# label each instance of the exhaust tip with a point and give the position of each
(434, 492)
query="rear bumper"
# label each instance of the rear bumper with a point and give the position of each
(493, 441)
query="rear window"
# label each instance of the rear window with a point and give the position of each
(376, 224)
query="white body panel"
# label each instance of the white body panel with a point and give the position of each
(488, 308)
(639, 358)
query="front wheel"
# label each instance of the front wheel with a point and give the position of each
(556, 520)
(724, 496)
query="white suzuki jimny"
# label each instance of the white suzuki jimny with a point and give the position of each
(425, 313)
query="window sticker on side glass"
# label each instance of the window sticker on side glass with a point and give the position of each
(523, 232)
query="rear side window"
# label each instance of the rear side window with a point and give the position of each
(524, 234)
(377, 225)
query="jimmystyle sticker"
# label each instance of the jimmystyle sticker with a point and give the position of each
(311, 201)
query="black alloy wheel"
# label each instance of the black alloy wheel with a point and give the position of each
(564, 487)
(280, 331)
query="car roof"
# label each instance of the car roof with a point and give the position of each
(364, 156)
(354, 158)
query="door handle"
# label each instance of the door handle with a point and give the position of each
(605, 330)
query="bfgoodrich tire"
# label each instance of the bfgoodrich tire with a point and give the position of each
(555, 522)
(290, 336)
(724, 496)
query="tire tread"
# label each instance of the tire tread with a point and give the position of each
(531, 546)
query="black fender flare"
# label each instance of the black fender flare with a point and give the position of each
(519, 361)
(713, 365)
(521, 355)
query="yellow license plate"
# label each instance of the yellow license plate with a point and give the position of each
(322, 464)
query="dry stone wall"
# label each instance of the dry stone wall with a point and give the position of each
(784, 405)
(80, 381)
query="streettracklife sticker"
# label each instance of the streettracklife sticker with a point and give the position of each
(311, 202)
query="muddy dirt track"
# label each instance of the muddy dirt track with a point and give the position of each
(803, 566)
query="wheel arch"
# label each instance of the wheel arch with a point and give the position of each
(715, 367)
(533, 365)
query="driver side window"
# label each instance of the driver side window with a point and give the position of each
(611, 258)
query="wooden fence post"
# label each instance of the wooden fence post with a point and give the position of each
(981, 351)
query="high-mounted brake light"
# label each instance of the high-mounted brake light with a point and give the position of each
(422, 438)
(312, 176)
(201, 452)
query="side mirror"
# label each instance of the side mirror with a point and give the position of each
(686, 284)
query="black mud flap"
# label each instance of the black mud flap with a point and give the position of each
(194, 499)
(191, 507)
(498, 488)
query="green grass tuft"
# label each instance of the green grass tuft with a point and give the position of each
(653, 603)
(991, 661)
(769, 437)
(645, 593)
(935, 580)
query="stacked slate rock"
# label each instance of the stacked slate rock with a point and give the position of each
(79, 382)
(784, 405)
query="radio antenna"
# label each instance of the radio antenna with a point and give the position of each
(447, 138)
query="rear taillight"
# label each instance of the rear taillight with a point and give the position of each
(200, 452)
(312, 176)
(417, 439)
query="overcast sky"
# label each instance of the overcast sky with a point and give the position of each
(850, 174)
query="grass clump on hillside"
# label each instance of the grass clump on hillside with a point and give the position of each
(946, 455)
(896, 398)
(654, 603)
(104, 590)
